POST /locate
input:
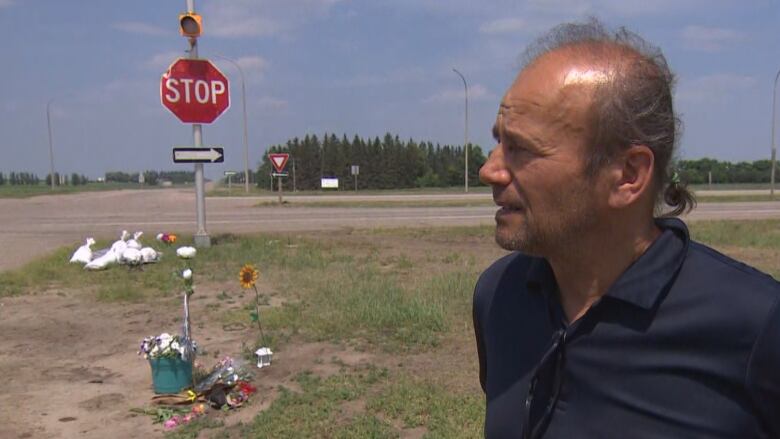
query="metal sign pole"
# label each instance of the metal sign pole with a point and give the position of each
(201, 237)
(279, 186)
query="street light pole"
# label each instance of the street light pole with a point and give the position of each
(246, 136)
(774, 149)
(51, 149)
(466, 135)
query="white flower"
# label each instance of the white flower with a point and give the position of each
(187, 274)
(186, 252)
(159, 237)
(164, 340)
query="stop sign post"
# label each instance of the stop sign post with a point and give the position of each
(195, 91)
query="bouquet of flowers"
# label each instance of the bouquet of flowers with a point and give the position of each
(167, 238)
(164, 346)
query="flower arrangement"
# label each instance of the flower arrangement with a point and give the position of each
(186, 252)
(185, 418)
(167, 238)
(163, 346)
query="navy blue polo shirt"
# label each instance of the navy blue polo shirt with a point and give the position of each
(685, 344)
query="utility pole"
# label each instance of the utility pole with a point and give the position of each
(246, 136)
(466, 135)
(774, 148)
(51, 148)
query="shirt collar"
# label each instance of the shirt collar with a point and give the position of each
(644, 281)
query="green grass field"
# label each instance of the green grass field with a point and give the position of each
(401, 295)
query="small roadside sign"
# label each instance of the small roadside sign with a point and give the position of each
(229, 175)
(198, 155)
(329, 183)
(280, 174)
(279, 160)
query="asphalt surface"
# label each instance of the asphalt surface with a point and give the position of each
(32, 227)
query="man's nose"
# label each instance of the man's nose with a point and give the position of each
(494, 171)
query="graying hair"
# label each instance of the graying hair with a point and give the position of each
(633, 108)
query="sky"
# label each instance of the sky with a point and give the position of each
(362, 67)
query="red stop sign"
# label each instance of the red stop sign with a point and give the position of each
(194, 90)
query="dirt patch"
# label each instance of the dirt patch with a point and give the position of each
(76, 374)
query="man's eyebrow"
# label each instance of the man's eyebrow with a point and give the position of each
(519, 139)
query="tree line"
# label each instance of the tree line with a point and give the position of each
(31, 179)
(151, 178)
(698, 171)
(74, 179)
(383, 164)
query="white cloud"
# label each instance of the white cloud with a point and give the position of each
(477, 92)
(135, 27)
(163, 60)
(258, 18)
(254, 66)
(504, 25)
(709, 39)
(633, 8)
(713, 87)
(400, 76)
(271, 103)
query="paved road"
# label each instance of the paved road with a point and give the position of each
(34, 226)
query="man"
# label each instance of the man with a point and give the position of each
(607, 322)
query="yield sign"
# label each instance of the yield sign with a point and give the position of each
(279, 160)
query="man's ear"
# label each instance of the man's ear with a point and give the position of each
(631, 176)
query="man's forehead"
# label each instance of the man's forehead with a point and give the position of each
(587, 76)
(554, 81)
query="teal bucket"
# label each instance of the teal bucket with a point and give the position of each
(170, 375)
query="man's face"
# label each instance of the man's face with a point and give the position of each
(537, 168)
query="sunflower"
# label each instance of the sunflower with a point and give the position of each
(248, 276)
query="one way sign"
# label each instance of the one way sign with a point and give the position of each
(198, 155)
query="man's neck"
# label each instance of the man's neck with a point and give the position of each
(586, 274)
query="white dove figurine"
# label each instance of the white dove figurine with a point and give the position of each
(102, 262)
(84, 253)
(134, 243)
(119, 246)
(149, 255)
(131, 256)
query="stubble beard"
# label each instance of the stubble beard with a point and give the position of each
(555, 235)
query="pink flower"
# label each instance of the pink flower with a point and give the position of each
(172, 423)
